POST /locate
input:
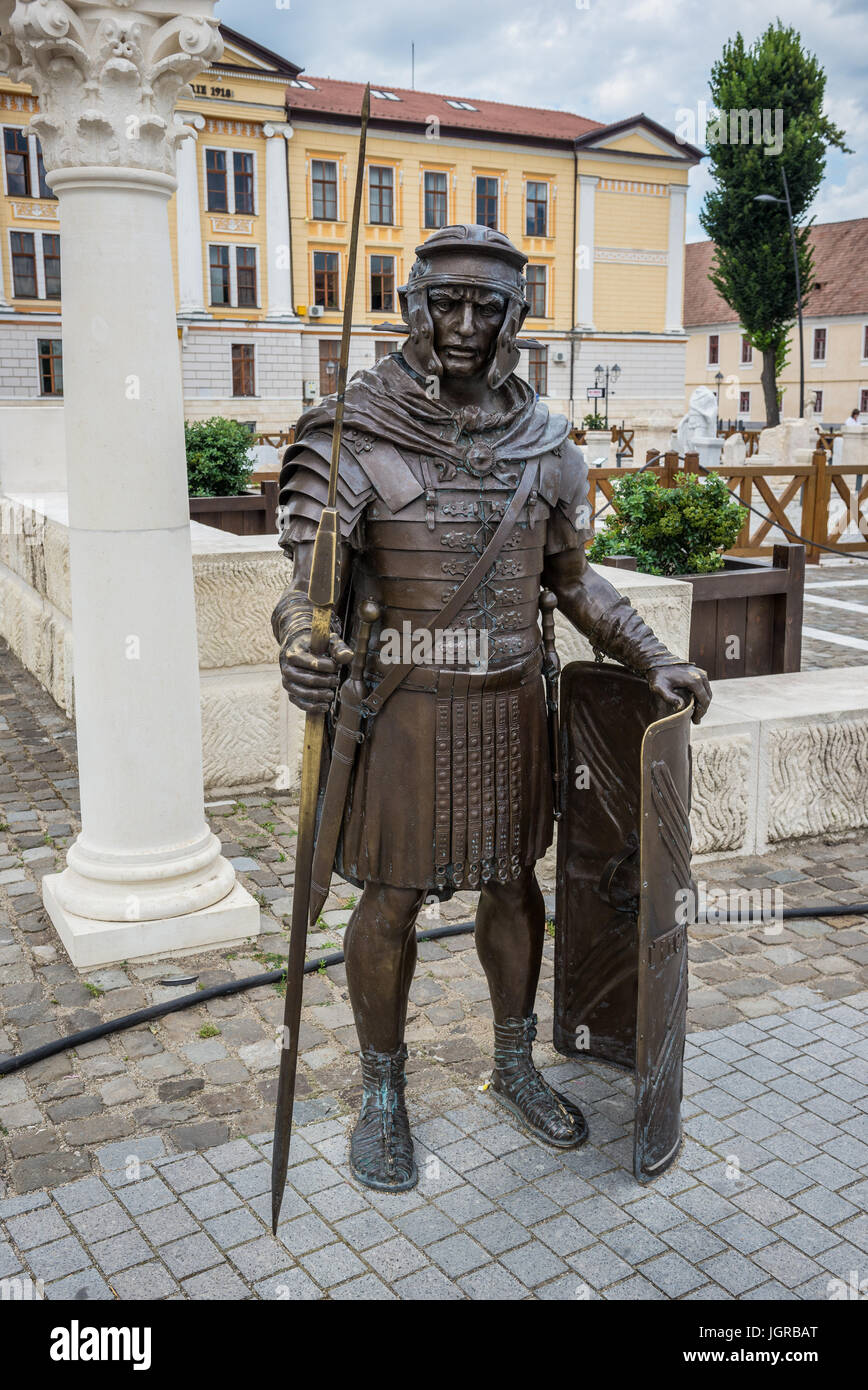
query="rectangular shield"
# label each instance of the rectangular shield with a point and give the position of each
(622, 870)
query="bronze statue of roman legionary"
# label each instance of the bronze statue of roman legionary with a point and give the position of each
(451, 474)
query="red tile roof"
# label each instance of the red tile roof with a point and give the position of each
(840, 276)
(332, 97)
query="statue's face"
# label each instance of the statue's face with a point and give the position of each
(467, 320)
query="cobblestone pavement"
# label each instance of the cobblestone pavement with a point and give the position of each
(836, 605)
(137, 1166)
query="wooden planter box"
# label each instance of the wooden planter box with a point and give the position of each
(759, 605)
(246, 514)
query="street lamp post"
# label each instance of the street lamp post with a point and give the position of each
(769, 198)
(602, 374)
(718, 376)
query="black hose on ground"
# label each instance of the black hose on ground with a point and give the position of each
(272, 977)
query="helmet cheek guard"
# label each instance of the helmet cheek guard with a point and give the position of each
(419, 348)
(506, 355)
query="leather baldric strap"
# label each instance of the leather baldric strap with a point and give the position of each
(390, 682)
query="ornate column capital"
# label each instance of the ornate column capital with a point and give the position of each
(270, 129)
(107, 75)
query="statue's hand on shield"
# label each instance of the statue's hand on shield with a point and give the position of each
(678, 682)
(311, 681)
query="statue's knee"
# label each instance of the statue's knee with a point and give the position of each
(395, 909)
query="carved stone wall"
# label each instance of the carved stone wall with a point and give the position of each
(719, 808)
(817, 778)
(235, 594)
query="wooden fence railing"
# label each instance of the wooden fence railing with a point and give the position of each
(279, 439)
(823, 502)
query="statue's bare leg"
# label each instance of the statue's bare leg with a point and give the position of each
(380, 950)
(510, 931)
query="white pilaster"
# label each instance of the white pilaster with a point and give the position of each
(146, 873)
(191, 284)
(675, 259)
(5, 306)
(280, 302)
(585, 252)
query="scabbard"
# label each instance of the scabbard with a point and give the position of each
(554, 724)
(345, 745)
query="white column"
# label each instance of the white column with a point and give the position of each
(280, 302)
(585, 252)
(146, 874)
(191, 285)
(675, 259)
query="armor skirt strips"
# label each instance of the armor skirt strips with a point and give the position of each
(452, 786)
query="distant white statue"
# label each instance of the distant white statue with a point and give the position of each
(734, 450)
(697, 431)
(700, 422)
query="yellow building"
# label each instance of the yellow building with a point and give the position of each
(598, 210)
(260, 234)
(835, 333)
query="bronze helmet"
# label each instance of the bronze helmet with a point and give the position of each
(467, 254)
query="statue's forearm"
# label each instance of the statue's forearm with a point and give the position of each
(605, 617)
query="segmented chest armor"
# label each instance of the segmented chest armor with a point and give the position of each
(417, 556)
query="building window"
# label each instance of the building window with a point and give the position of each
(863, 401)
(381, 199)
(819, 349)
(35, 265)
(50, 367)
(818, 402)
(17, 155)
(713, 349)
(486, 202)
(24, 265)
(51, 264)
(537, 219)
(538, 369)
(865, 343)
(245, 271)
(536, 290)
(325, 279)
(384, 349)
(243, 371)
(215, 181)
(329, 357)
(242, 169)
(382, 283)
(744, 403)
(324, 189)
(746, 351)
(218, 260)
(436, 199)
(230, 184)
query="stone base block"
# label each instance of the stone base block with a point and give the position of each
(89, 942)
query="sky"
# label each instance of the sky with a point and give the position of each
(606, 59)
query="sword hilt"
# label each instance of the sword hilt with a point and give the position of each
(369, 613)
(548, 603)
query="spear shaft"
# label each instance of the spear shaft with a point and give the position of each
(323, 591)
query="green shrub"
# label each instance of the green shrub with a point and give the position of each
(594, 422)
(679, 530)
(218, 463)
